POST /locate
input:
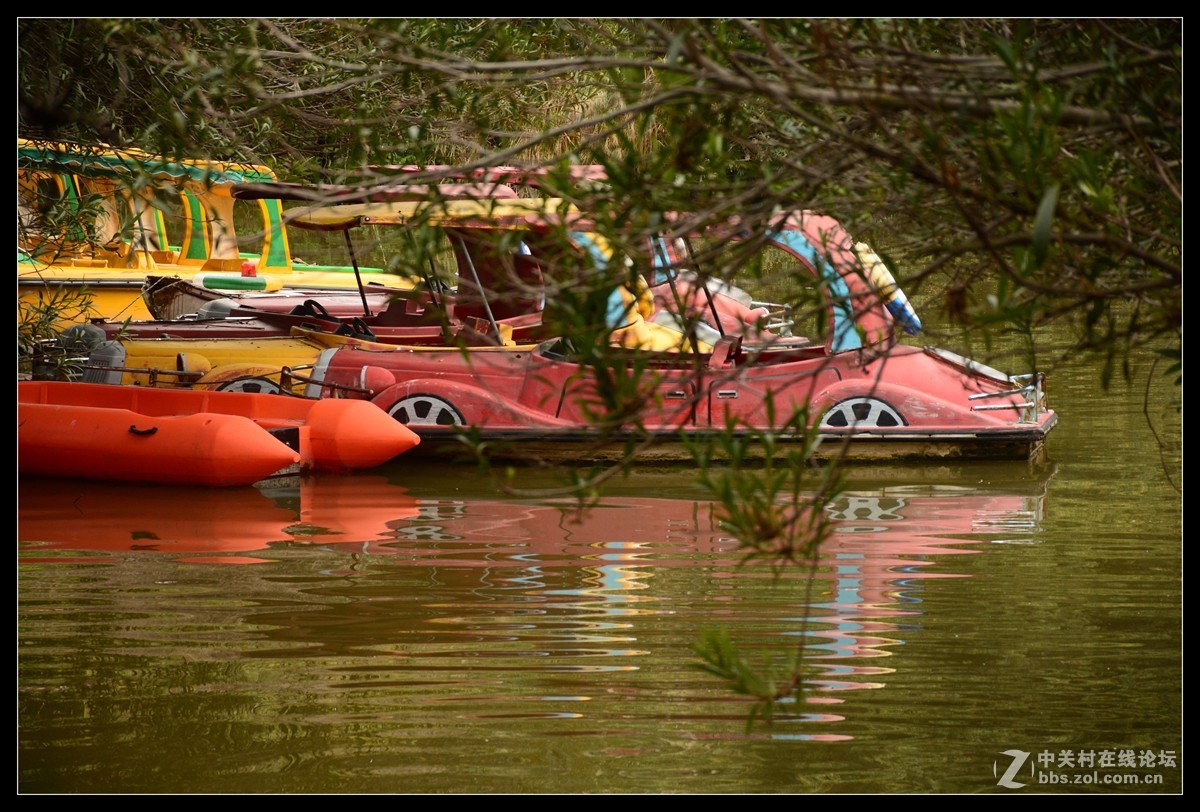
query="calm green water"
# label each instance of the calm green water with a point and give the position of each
(412, 631)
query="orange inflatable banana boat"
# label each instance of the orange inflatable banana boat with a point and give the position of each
(187, 437)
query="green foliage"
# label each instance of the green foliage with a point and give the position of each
(45, 351)
(58, 223)
(766, 682)
(772, 497)
(1174, 369)
(774, 501)
(1042, 224)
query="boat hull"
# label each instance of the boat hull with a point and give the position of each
(910, 404)
(548, 445)
(116, 295)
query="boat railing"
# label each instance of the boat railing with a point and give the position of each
(1031, 389)
(153, 374)
(290, 378)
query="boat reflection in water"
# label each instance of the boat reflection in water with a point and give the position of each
(428, 574)
(197, 524)
(886, 545)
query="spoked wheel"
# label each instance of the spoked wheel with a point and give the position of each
(862, 413)
(255, 385)
(426, 410)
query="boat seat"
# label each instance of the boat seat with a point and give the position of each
(356, 329)
(222, 264)
(402, 311)
(312, 309)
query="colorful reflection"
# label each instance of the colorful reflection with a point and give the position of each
(422, 578)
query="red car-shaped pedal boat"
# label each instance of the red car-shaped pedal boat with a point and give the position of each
(866, 394)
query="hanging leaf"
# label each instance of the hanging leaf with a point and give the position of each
(1041, 226)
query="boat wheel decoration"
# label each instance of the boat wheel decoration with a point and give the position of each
(426, 410)
(254, 385)
(862, 413)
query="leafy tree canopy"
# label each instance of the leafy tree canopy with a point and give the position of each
(1018, 172)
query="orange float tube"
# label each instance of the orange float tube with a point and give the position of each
(345, 435)
(335, 434)
(117, 444)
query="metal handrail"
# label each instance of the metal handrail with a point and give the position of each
(1031, 410)
(288, 377)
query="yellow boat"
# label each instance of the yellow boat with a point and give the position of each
(260, 365)
(93, 223)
